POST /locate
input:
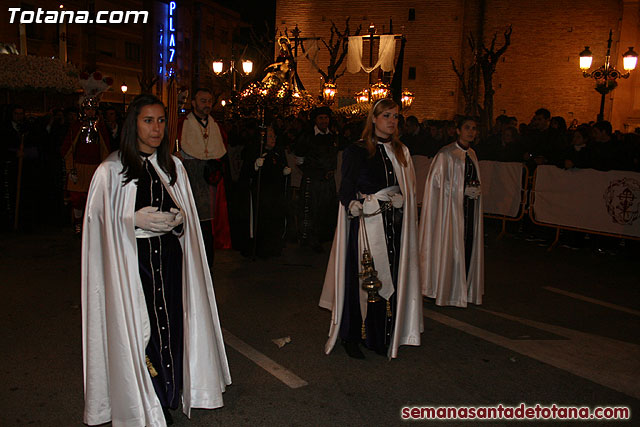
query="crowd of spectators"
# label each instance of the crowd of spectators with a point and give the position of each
(545, 140)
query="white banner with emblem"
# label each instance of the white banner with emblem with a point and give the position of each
(501, 187)
(588, 199)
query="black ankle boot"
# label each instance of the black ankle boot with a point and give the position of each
(353, 349)
(167, 416)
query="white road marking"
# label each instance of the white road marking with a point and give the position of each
(592, 300)
(278, 371)
(611, 363)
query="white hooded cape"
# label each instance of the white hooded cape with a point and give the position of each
(442, 263)
(408, 313)
(115, 323)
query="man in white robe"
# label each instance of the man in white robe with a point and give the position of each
(203, 150)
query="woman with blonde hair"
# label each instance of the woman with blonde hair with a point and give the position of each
(377, 210)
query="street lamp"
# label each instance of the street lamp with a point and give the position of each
(379, 90)
(362, 97)
(606, 75)
(373, 93)
(329, 91)
(124, 88)
(247, 66)
(218, 67)
(406, 99)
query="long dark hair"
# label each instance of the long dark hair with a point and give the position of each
(129, 152)
(368, 134)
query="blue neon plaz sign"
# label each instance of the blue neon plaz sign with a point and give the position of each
(172, 35)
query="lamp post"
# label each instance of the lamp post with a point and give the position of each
(329, 91)
(606, 75)
(124, 88)
(218, 67)
(406, 99)
(378, 91)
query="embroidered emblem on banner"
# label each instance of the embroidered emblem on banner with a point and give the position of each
(623, 200)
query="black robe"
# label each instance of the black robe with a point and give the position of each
(160, 266)
(270, 211)
(368, 175)
(317, 217)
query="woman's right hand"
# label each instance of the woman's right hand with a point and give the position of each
(149, 218)
(258, 163)
(355, 208)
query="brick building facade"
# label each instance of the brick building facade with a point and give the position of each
(539, 69)
(202, 31)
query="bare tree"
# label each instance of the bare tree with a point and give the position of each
(484, 62)
(487, 60)
(338, 47)
(469, 86)
(147, 82)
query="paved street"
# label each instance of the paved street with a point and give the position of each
(556, 327)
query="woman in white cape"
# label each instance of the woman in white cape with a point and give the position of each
(150, 328)
(377, 190)
(451, 233)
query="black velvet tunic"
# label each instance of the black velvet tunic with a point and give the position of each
(368, 175)
(470, 176)
(160, 266)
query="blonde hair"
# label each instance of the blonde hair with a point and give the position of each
(368, 134)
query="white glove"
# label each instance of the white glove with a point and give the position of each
(355, 208)
(179, 219)
(472, 191)
(73, 175)
(149, 218)
(299, 160)
(259, 162)
(397, 200)
(286, 171)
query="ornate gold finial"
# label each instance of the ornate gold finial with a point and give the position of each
(369, 275)
(150, 367)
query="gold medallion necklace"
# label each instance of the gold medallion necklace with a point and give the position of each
(205, 138)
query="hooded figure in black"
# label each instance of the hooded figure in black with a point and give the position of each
(269, 175)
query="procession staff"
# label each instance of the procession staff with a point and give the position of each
(269, 189)
(451, 233)
(85, 146)
(20, 155)
(378, 181)
(151, 334)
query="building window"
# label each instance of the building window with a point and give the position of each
(412, 14)
(132, 51)
(105, 47)
(412, 73)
